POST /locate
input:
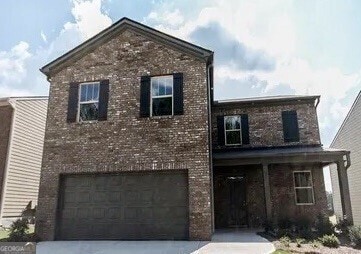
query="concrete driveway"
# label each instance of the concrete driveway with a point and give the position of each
(226, 242)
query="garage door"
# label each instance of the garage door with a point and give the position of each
(123, 206)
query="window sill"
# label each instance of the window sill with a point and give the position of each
(87, 122)
(308, 204)
(162, 117)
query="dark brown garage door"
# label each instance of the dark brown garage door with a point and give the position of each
(123, 206)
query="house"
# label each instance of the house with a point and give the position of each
(349, 137)
(22, 129)
(136, 147)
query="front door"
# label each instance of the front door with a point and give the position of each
(237, 215)
(230, 201)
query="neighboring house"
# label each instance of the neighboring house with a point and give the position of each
(349, 137)
(22, 129)
(136, 148)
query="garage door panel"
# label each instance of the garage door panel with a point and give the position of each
(124, 206)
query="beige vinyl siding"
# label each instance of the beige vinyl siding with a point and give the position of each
(349, 138)
(25, 156)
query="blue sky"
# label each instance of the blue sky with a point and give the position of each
(261, 47)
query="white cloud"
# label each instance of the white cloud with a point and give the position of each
(89, 19)
(43, 36)
(19, 69)
(12, 68)
(173, 18)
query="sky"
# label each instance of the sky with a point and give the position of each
(261, 48)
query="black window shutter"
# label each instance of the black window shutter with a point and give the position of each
(145, 96)
(245, 129)
(220, 127)
(178, 93)
(290, 126)
(73, 102)
(103, 100)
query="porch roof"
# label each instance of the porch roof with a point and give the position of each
(308, 154)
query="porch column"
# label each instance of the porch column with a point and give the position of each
(267, 191)
(344, 191)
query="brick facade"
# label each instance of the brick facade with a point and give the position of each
(283, 192)
(265, 123)
(6, 113)
(126, 142)
(266, 131)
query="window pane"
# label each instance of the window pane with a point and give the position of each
(95, 92)
(233, 122)
(304, 196)
(83, 89)
(233, 137)
(155, 90)
(303, 179)
(88, 112)
(162, 106)
(89, 92)
(169, 86)
(162, 85)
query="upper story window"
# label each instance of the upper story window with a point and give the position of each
(303, 187)
(88, 101)
(290, 126)
(162, 96)
(233, 130)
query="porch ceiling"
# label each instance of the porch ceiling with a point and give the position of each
(314, 154)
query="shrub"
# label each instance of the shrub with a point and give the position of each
(285, 241)
(324, 225)
(330, 241)
(284, 223)
(268, 226)
(303, 227)
(315, 244)
(29, 213)
(299, 242)
(18, 231)
(343, 226)
(355, 235)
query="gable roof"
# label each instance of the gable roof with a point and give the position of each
(118, 27)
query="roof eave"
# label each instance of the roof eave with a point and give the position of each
(119, 26)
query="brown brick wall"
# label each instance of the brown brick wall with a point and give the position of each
(126, 142)
(283, 193)
(265, 123)
(5, 127)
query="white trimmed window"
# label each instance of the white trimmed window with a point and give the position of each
(232, 129)
(303, 187)
(88, 101)
(161, 102)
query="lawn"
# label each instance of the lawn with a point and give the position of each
(5, 233)
(279, 251)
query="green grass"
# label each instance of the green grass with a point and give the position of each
(5, 233)
(279, 251)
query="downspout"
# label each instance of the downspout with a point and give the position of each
(210, 103)
(7, 163)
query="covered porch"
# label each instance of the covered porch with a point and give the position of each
(254, 185)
